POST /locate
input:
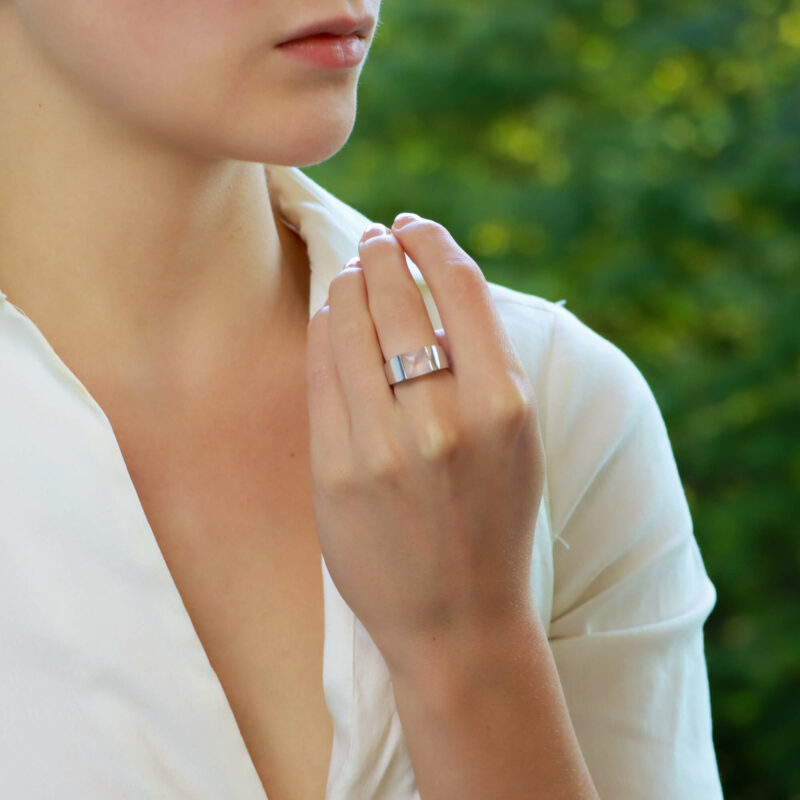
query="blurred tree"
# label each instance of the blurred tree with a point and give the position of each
(641, 160)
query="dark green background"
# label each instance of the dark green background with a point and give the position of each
(641, 160)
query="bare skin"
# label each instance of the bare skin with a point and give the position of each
(138, 233)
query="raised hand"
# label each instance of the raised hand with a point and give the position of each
(425, 493)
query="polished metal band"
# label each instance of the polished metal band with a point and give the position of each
(415, 363)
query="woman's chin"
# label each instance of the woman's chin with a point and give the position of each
(298, 137)
(299, 134)
(312, 145)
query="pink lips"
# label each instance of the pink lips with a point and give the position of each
(327, 50)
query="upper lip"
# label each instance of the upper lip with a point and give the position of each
(338, 26)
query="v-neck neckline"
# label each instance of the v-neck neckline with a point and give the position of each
(246, 766)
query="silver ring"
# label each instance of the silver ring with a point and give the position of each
(414, 363)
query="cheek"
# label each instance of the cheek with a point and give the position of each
(141, 52)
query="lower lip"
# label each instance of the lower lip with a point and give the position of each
(330, 52)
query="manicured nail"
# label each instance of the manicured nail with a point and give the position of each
(375, 229)
(403, 219)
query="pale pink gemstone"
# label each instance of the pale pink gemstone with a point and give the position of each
(417, 363)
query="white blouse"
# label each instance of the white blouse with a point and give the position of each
(106, 691)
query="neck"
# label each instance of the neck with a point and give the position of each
(115, 244)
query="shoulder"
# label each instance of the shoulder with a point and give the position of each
(566, 358)
(547, 336)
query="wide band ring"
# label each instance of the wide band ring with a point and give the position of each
(415, 363)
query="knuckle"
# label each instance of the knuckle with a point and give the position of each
(454, 255)
(438, 439)
(508, 407)
(377, 244)
(401, 307)
(383, 460)
(332, 477)
(435, 228)
(336, 481)
(466, 271)
(345, 281)
(465, 279)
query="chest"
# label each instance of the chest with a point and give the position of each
(229, 502)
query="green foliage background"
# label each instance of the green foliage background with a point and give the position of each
(641, 160)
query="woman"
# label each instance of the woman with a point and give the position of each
(244, 557)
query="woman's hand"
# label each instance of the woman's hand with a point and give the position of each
(425, 494)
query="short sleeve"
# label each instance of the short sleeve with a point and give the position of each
(631, 593)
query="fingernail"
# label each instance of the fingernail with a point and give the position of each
(405, 218)
(353, 262)
(375, 229)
